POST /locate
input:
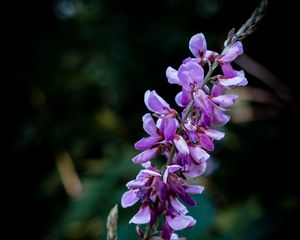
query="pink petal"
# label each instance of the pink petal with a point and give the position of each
(186, 97)
(173, 168)
(172, 77)
(178, 206)
(170, 128)
(238, 80)
(220, 118)
(206, 142)
(146, 143)
(197, 45)
(170, 168)
(212, 133)
(210, 55)
(232, 52)
(194, 189)
(149, 125)
(129, 198)
(181, 145)
(155, 103)
(150, 172)
(189, 59)
(178, 99)
(202, 101)
(180, 222)
(146, 164)
(190, 73)
(192, 222)
(198, 154)
(228, 70)
(217, 90)
(145, 156)
(196, 170)
(225, 101)
(143, 216)
(174, 236)
(137, 183)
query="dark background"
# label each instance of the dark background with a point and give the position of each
(74, 75)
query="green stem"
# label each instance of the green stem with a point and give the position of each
(148, 232)
(209, 73)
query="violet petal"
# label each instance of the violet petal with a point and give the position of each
(142, 216)
(129, 198)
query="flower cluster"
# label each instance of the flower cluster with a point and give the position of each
(184, 138)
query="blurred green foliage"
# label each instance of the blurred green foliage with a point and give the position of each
(82, 79)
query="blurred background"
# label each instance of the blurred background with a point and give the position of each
(76, 72)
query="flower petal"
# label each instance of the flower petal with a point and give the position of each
(198, 154)
(217, 90)
(197, 45)
(174, 236)
(189, 59)
(178, 206)
(190, 73)
(129, 198)
(163, 191)
(170, 128)
(206, 142)
(210, 55)
(155, 103)
(220, 118)
(143, 216)
(170, 168)
(192, 222)
(178, 99)
(186, 97)
(146, 143)
(196, 170)
(212, 133)
(145, 156)
(194, 189)
(172, 77)
(173, 168)
(232, 52)
(149, 125)
(225, 101)
(228, 70)
(137, 183)
(150, 172)
(181, 145)
(146, 164)
(180, 222)
(166, 231)
(238, 80)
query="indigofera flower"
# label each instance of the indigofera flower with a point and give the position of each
(184, 139)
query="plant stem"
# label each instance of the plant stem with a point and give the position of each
(209, 73)
(147, 232)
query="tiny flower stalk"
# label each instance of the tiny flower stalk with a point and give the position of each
(184, 138)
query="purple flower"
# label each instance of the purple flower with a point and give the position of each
(146, 156)
(197, 46)
(190, 77)
(145, 184)
(231, 53)
(143, 216)
(160, 134)
(158, 105)
(165, 130)
(183, 139)
(231, 77)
